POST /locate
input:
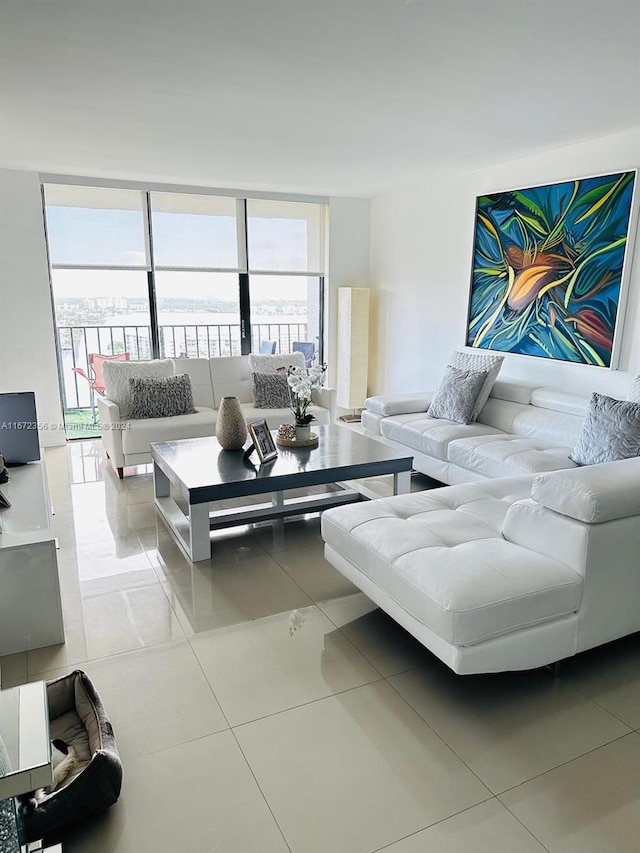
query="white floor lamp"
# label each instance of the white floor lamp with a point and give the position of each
(353, 349)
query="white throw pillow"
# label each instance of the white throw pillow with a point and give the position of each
(475, 361)
(118, 373)
(634, 391)
(273, 363)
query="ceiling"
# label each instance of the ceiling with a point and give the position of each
(336, 97)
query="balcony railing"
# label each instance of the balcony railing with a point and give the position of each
(186, 341)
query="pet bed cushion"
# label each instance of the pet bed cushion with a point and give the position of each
(77, 716)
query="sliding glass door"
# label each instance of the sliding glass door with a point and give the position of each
(140, 274)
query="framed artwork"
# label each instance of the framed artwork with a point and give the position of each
(550, 264)
(262, 440)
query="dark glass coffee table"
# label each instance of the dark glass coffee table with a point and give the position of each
(202, 473)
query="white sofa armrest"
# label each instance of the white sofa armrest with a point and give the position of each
(326, 398)
(399, 404)
(593, 493)
(111, 430)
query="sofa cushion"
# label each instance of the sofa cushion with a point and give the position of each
(559, 400)
(456, 396)
(507, 455)
(546, 425)
(139, 434)
(270, 390)
(117, 374)
(515, 391)
(429, 435)
(481, 362)
(611, 431)
(198, 370)
(274, 363)
(398, 404)
(593, 494)
(440, 555)
(231, 377)
(161, 398)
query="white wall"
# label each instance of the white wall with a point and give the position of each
(349, 231)
(421, 248)
(27, 343)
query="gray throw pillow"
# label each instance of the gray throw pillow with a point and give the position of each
(611, 431)
(271, 390)
(482, 362)
(457, 394)
(161, 398)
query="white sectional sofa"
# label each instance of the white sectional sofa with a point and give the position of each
(127, 442)
(524, 559)
(508, 574)
(522, 429)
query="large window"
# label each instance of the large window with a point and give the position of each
(140, 274)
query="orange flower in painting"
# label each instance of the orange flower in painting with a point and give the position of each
(534, 272)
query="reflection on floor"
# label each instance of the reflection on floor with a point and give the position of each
(261, 703)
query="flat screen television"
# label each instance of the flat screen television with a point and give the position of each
(19, 428)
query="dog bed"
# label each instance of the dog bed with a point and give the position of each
(93, 780)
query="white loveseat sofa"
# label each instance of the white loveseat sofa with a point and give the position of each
(507, 574)
(522, 429)
(127, 441)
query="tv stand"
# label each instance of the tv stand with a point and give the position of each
(30, 605)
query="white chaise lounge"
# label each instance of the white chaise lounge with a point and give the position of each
(507, 574)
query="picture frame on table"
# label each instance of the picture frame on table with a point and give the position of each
(262, 441)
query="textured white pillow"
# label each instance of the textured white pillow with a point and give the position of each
(475, 361)
(272, 363)
(118, 373)
(634, 391)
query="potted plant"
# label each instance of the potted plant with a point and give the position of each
(301, 383)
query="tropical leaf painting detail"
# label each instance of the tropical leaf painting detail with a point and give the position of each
(547, 268)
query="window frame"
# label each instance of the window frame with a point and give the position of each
(243, 270)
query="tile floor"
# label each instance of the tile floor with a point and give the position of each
(261, 703)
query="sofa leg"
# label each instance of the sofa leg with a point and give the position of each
(120, 473)
(554, 669)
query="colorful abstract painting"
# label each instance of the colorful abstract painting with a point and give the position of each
(548, 269)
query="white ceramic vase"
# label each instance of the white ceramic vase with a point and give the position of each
(231, 427)
(303, 432)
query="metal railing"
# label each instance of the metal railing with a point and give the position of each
(176, 341)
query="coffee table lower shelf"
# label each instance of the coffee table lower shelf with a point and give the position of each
(191, 530)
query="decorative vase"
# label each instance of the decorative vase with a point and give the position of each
(231, 427)
(303, 432)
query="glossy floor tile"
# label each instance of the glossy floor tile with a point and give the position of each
(590, 805)
(355, 771)
(610, 675)
(110, 623)
(381, 640)
(272, 664)
(158, 698)
(199, 797)
(487, 828)
(309, 569)
(509, 727)
(13, 669)
(262, 703)
(210, 595)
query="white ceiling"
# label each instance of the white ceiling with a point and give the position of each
(342, 97)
